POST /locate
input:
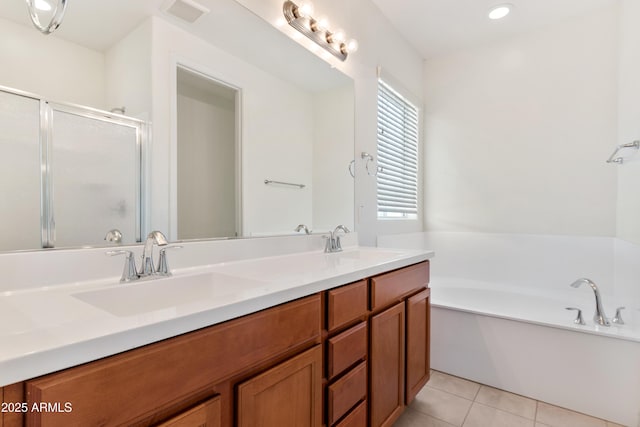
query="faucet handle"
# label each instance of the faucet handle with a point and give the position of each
(618, 318)
(578, 320)
(163, 266)
(130, 272)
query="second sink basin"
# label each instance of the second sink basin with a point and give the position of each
(163, 293)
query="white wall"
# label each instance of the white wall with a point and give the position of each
(206, 164)
(127, 71)
(380, 45)
(629, 121)
(517, 132)
(275, 116)
(50, 67)
(332, 151)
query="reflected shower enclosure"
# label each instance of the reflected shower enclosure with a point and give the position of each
(68, 174)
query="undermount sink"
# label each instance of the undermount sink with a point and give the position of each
(376, 255)
(307, 264)
(170, 292)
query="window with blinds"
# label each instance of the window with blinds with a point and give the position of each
(397, 155)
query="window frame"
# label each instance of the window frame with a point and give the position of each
(410, 163)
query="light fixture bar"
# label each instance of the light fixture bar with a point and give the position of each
(308, 26)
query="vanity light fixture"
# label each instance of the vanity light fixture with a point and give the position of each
(500, 11)
(36, 6)
(334, 42)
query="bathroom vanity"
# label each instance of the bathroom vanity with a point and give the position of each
(347, 354)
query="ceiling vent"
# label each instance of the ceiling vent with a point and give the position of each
(187, 10)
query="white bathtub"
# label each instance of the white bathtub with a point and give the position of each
(516, 334)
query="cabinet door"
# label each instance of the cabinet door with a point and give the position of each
(418, 334)
(12, 394)
(289, 394)
(207, 414)
(387, 365)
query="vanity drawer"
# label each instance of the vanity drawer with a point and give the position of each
(357, 417)
(207, 414)
(346, 304)
(345, 349)
(391, 287)
(345, 393)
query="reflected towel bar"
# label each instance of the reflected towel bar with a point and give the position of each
(619, 160)
(269, 181)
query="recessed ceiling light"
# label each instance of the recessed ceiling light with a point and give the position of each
(500, 11)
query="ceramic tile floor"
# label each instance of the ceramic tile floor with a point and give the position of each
(448, 401)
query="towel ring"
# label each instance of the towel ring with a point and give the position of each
(369, 158)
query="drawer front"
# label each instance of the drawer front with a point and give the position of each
(207, 414)
(346, 392)
(346, 304)
(357, 417)
(391, 287)
(133, 386)
(346, 349)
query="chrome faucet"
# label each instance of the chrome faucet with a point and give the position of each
(114, 236)
(333, 240)
(599, 317)
(302, 227)
(157, 238)
(130, 273)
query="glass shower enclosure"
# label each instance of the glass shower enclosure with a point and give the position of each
(68, 174)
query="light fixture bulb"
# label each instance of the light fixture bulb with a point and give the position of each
(499, 11)
(352, 45)
(305, 8)
(42, 5)
(323, 22)
(338, 36)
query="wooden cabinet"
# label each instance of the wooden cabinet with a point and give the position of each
(346, 349)
(207, 414)
(387, 365)
(346, 304)
(346, 392)
(147, 385)
(286, 395)
(357, 417)
(399, 341)
(352, 356)
(346, 354)
(12, 395)
(418, 338)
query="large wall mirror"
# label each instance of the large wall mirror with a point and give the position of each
(235, 108)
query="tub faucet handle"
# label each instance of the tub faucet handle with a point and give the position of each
(618, 318)
(578, 320)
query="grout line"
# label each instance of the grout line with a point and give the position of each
(477, 391)
(535, 415)
(467, 414)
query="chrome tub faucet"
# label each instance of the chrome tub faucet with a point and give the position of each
(599, 317)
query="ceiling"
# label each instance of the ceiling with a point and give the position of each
(435, 27)
(99, 24)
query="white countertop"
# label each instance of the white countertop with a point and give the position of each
(47, 329)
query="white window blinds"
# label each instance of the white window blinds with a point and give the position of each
(397, 155)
